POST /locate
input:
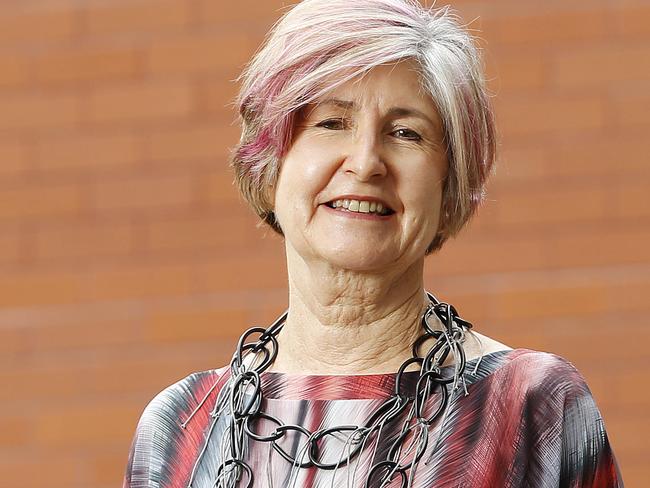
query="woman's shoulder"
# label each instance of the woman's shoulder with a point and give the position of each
(525, 357)
(164, 428)
(541, 389)
(184, 395)
(529, 363)
(534, 376)
(542, 365)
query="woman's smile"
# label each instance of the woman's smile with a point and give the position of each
(361, 185)
(359, 209)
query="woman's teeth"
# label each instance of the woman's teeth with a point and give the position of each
(361, 206)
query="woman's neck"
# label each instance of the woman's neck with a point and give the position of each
(343, 322)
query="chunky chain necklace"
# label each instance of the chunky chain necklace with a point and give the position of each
(241, 405)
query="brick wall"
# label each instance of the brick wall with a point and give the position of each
(127, 260)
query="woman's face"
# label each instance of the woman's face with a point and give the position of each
(370, 142)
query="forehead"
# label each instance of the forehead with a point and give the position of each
(395, 80)
(392, 87)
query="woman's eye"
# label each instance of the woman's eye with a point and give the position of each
(332, 124)
(408, 134)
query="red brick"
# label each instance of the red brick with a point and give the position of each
(600, 65)
(37, 110)
(194, 325)
(632, 295)
(39, 24)
(55, 468)
(485, 219)
(11, 242)
(473, 305)
(467, 254)
(20, 289)
(136, 17)
(218, 188)
(570, 342)
(554, 206)
(210, 142)
(603, 246)
(88, 241)
(551, 114)
(26, 384)
(153, 101)
(633, 466)
(631, 109)
(73, 332)
(40, 201)
(584, 157)
(199, 54)
(124, 376)
(86, 64)
(218, 231)
(217, 95)
(138, 282)
(557, 27)
(634, 21)
(14, 70)
(15, 431)
(142, 192)
(632, 199)
(260, 270)
(630, 433)
(107, 467)
(519, 165)
(557, 301)
(266, 308)
(93, 425)
(508, 73)
(13, 339)
(621, 382)
(14, 157)
(87, 152)
(245, 11)
(71, 378)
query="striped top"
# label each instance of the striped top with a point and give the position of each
(528, 420)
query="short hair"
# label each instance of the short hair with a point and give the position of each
(320, 44)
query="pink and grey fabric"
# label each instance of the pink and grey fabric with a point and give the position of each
(528, 420)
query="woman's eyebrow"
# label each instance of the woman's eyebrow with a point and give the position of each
(337, 102)
(393, 112)
(411, 112)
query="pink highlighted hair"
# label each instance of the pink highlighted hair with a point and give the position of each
(319, 44)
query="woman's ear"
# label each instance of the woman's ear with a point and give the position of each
(271, 219)
(270, 216)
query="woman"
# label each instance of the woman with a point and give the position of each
(367, 141)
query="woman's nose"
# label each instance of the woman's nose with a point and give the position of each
(365, 159)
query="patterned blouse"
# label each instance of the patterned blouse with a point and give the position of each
(526, 419)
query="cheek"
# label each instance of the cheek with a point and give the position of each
(315, 156)
(435, 187)
(302, 177)
(308, 170)
(425, 202)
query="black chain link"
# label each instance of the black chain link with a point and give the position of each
(247, 398)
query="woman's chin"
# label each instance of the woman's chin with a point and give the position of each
(358, 259)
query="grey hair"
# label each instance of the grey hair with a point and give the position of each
(320, 44)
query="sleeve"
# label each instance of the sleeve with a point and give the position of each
(587, 459)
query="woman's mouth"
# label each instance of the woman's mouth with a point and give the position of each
(360, 206)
